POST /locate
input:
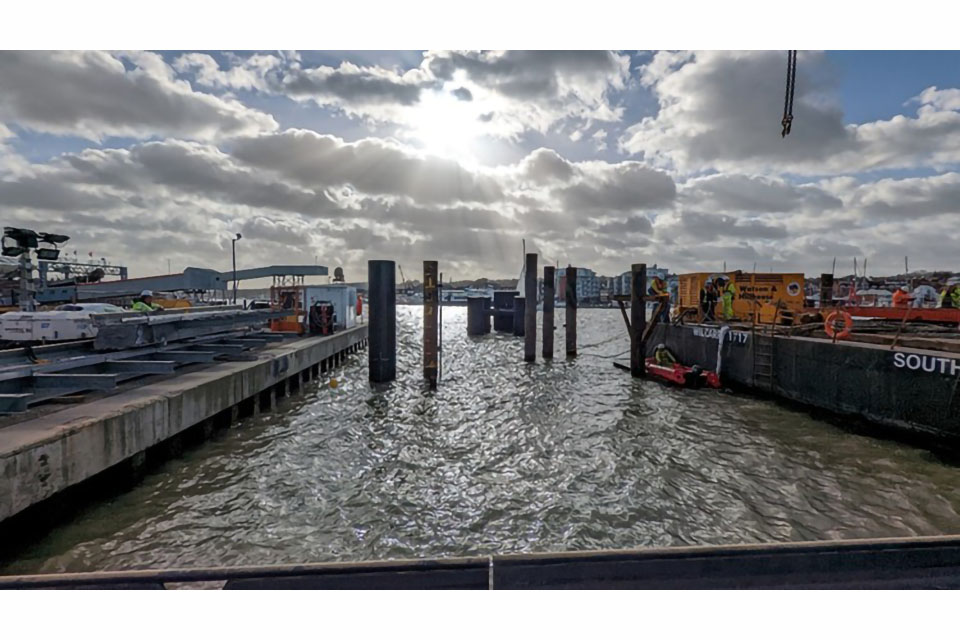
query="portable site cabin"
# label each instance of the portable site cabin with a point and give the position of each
(342, 297)
(298, 299)
(761, 296)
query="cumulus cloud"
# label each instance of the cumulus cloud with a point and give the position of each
(246, 73)
(506, 92)
(372, 166)
(92, 94)
(752, 193)
(721, 110)
(909, 198)
(560, 77)
(622, 187)
(353, 88)
(709, 182)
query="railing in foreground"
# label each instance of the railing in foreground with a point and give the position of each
(900, 563)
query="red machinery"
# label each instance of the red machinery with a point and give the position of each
(684, 376)
(288, 298)
(944, 316)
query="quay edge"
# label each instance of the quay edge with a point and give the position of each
(44, 456)
(911, 392)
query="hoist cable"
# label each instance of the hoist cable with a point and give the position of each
(788, 95)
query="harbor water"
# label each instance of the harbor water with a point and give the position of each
(503, 457)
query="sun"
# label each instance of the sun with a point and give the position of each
(445, 126)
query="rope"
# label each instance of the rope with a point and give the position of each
(598, 355)
(788, 95)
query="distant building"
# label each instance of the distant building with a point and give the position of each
(621, 285)
(588, 285)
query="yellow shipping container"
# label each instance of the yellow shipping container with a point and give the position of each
(758, 293)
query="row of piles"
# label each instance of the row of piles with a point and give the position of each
(508, 312)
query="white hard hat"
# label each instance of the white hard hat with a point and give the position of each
(146, 293)
(904, 288)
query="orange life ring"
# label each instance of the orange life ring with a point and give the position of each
(829, 325)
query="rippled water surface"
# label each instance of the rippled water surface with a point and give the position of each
(504, 457)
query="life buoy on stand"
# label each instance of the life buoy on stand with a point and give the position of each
(830, 325)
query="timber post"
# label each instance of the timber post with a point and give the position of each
(570, 297)
(638, 319)
(549, 276)
(431, 303)
(382, 352)
(530, 311)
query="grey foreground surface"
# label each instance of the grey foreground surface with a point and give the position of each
(906, 563)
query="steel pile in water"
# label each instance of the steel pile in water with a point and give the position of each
(126, 331)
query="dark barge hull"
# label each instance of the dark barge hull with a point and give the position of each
(913, 392)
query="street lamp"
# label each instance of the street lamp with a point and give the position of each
(233, 246)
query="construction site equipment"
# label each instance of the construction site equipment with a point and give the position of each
(787, 121)
(939, 316)
(29, 376)
(192, 279)
(321, 319)
(79, 271)
(128, 330)
(68, 322)
(296, 302)
(762, 297)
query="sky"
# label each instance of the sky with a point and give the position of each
(598, 159)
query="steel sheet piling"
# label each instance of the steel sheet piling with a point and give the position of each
(530, 312)
(431, 303)
(382, 283)
(638, 318)
(549, 275)
(570, 295)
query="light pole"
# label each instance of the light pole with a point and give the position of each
(233, 243)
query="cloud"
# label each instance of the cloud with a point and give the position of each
(371, 166)
(709, 181)
(705, 226)
(544, 76)
(751, 193)
(247, 73)
(351, 87)
(306, 194)
(505, 92)
(721, 110)
(543, 166)
(93, 95)
(621, 187)
(909, 198)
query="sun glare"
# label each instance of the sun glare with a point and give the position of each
(445, 126)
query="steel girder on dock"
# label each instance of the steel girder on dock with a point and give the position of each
(76, 367)
(49, 453)
(901, 563)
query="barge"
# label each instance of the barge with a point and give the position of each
(909, 390)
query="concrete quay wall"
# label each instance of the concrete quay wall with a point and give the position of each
(43, 456)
